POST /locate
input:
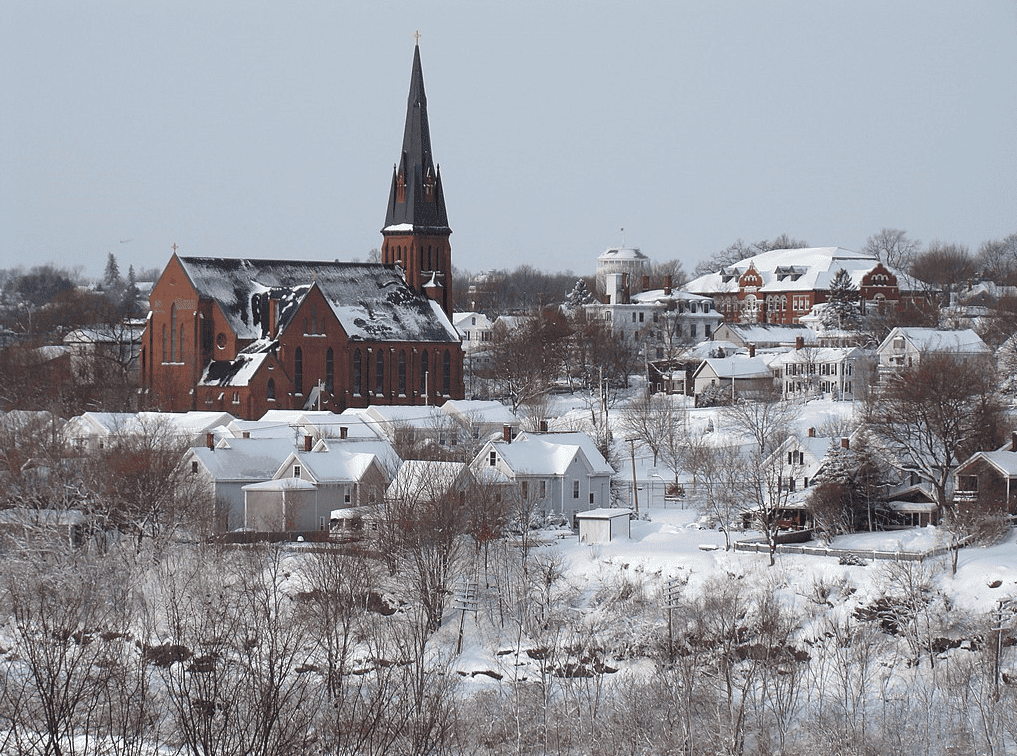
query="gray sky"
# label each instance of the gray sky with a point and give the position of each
(270, 129)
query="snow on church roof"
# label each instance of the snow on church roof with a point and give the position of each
(372, 301)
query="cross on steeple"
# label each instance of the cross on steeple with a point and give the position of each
(175, 247)
(416, 37)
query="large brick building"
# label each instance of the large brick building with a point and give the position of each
(783, 285)
(245, 336)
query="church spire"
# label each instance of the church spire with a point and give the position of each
(416, 224)
(416, 197)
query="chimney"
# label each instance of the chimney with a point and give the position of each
(1013, 441)
(812, 432)
(343, 431)
(646, 283)
(799, 342)
(667, 285)
(246, 434)
(506, 434)
(308, 441)
(210, 440)
(752, 350)
(845, 442)
(543, 426)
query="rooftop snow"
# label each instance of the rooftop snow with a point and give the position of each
(371, 300)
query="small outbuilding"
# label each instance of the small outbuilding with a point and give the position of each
(604, 525)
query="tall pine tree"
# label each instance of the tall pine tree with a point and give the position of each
(841, 311)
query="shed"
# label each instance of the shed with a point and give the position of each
(604, 525)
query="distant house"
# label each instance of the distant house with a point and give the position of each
(423, 482)
(988, 480)
(228, 466)
(98, 430)
(905, 347)
(733, 377)
(552, 473)
(833, 372)
(766, 335)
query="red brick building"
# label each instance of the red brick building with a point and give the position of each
(783, 285)
(245, 336)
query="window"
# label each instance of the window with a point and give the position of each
(493, 458)
(379, 372)
(296, 471)
(314, 318)
(707, 330)
(236, 397)
(347, 495)
(173, 332)
(591, 497)
(194, 467)
(446, 374)
(525, 489)
(543, 489)
(692, 330)
(423, 373)
(298, 371)
(357, 373)
(641, 317)
(270, 389)
(330, 371)
(402, 372)
(575, 489)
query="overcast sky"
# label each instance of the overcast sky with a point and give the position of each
(270, 129)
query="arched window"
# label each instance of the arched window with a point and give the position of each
(358, 375)
(330, 371)
(379, 372)
(180, 354)
(446, 373)
(298, 371)
(165, 345)
(423, 373)
(173, 332)
(271, 389)
(314, 318)
(402, 372)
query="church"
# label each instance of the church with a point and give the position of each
(244, 336)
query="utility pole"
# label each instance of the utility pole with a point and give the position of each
(635, 489)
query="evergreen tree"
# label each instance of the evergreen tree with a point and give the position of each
(579, 296)
(841, 309)
(111, 280)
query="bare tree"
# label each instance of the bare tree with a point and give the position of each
(766, 425)
(936, 414)
(650, 419)
(997, 260)
(893, 247)
(944, 267)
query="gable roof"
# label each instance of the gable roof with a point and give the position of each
(331, 464)
(734, 367)
(422, 480)
(243, 459)
(964, 341)
(371, 301)
(576, 438)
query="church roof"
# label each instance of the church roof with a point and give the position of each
(372, 301)
(417, 168)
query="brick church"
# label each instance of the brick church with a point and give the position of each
(245, 336)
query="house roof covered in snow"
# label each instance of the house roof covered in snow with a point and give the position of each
(924, 340)
(421, 480)
(243, 459)
(735, 367)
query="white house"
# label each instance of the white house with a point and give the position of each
(98, 430)
(905, 347)
(553, 473)
(733, 376)
(230, 465)
(832, 372)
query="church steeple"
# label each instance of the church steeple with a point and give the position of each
(416, 224)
